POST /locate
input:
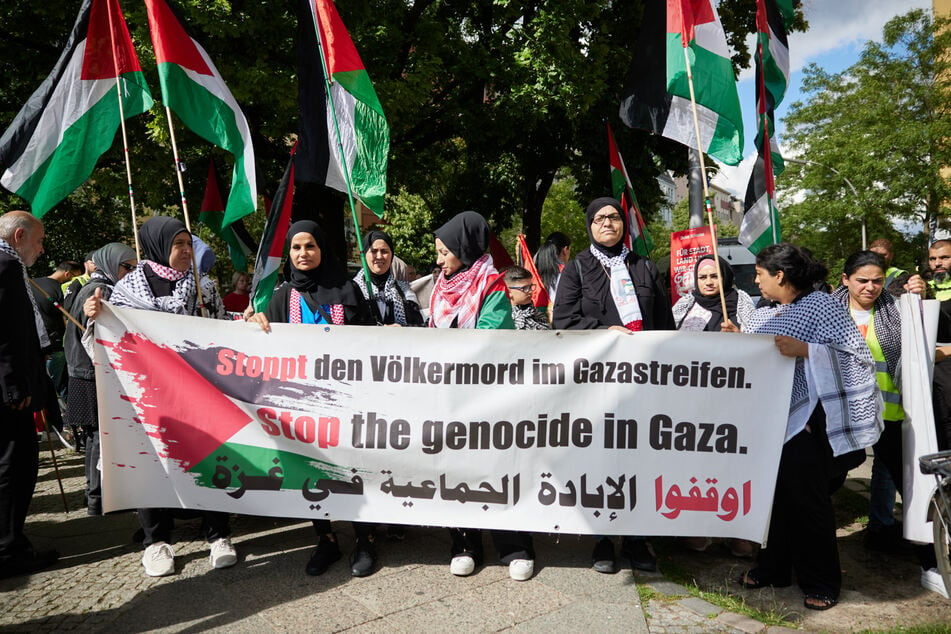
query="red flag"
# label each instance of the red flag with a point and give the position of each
(500, 255)
(540, 294)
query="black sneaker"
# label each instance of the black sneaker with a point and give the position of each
(639, 554)
(602, 558)
(326, 553)
(363, 559)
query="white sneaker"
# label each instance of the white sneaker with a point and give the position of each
(158, 560)
(462, 565)
(932, 580)
(223, 554)
(522, 569)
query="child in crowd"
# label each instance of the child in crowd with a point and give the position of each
(524, 312)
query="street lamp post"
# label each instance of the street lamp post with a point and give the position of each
(847, 182)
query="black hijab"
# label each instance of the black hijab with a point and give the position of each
(712, 302)
(593, 208)
(368, 239)
(326, 284)
(156, 235)
(466, 235)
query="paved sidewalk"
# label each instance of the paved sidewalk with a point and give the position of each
(99, 585)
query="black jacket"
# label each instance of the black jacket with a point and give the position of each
(22, 368)
(356, 309)
(584, 299)
(77, 361)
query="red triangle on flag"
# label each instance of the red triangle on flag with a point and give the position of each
(172, 43)
(107, 26)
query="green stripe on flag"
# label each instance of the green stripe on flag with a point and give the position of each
(74, 159)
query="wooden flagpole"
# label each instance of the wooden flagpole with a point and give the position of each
(343, 157)
(706, 191)
(57, 304)
(179, 168)
(125, 139)
(59, 480)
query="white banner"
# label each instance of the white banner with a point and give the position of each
(590, 432)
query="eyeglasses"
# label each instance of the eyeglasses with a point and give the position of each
(127, 267)
(528, 288)
(600, 220)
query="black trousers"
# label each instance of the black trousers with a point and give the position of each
(157, 525)
(802, 527)
(510, 545)
(19, 464)
(361, 529)
(941, 401)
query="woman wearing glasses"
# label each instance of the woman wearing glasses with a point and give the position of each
(609, 286)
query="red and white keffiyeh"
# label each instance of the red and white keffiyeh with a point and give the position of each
(459, 298)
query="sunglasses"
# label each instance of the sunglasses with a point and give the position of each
(528, 288)
(127, 267)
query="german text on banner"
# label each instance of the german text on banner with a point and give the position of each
(589, 432)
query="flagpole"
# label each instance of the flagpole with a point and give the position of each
(706, 191)
(125, 139)
(343, 157)
(179, 168)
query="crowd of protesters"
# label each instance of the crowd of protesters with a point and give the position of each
(845, 388)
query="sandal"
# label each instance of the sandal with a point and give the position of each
(820, 602)
(751, 581)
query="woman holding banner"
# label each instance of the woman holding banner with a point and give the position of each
(878, 318)
(835, 409)
(609, 286)
(701, 310)
(164, 282)
(318, 292)
(113, 262)
(471, 293)
(395, 302)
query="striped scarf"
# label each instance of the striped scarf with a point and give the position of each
(458, 299)
(294, 315)
(394, 293)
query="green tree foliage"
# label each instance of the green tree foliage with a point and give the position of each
(884, 125)
(488, 102)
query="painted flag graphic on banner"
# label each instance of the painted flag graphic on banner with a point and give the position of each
(53, 144)
(194, 89)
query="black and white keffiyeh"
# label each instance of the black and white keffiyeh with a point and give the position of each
(839, 371)
(887, 328)
(40, 328)
(528, 317)
(393, 293)
(133, 291)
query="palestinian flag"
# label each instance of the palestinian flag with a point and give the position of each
(267, 264)
(760, 226)
(53, 144)
(355, 124)
(194, 89)
(658, 98)
(235, 235)
(540, 295)
(637, 239)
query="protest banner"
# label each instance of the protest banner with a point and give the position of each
(686, 247)
(591, 432)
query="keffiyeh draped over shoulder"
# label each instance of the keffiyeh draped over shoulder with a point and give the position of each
(887, 328)
(839, 371)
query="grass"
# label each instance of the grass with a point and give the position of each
(674, 572)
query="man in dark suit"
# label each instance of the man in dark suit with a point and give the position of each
(23, 390)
